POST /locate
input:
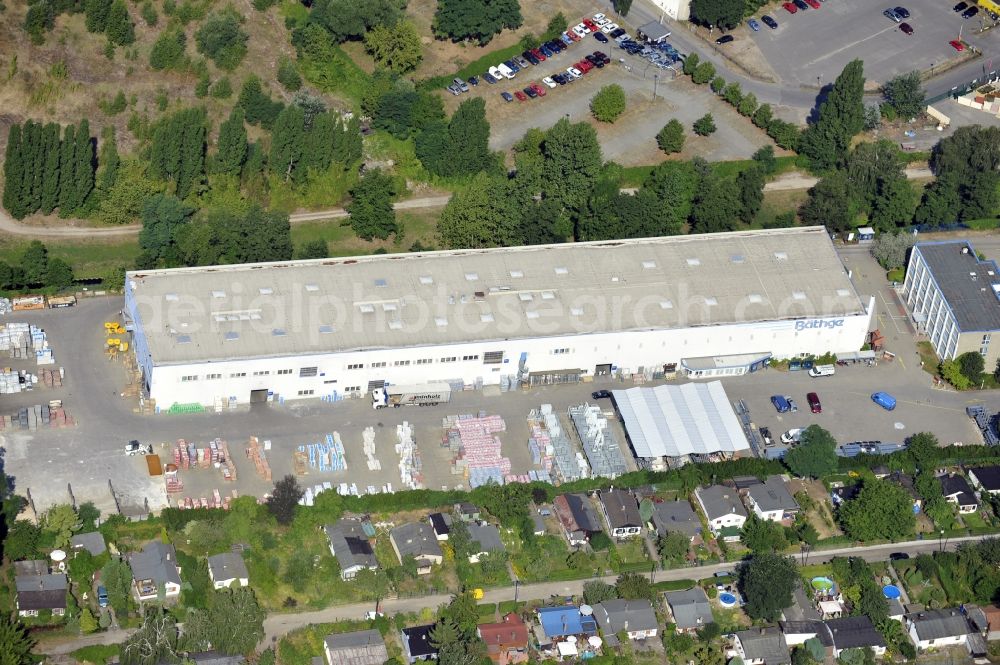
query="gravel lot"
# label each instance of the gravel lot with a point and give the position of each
(631, 139)
(90, 455)
(819, 42)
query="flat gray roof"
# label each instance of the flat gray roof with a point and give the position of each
(970, 286)
(673, 421)
(430, 298)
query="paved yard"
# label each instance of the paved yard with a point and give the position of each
(814, 45)
(90, 455)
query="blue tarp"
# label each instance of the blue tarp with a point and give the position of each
(565, 620)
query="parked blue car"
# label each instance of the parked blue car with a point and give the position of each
(512, 65)
(885, 400)
(780, 403)
(102, 596)
(754, 25)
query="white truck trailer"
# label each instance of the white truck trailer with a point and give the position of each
(427, 394)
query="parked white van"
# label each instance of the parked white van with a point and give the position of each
(506, 71)
(822, 370)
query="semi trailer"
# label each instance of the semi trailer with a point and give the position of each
(421, 395)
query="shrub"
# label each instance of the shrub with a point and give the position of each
(705, 125)
(288, 75)
(762, 116)
(222, 89)
(168, 50)
(222, 39)
(733, 94)
(609, 103)
(703, 73)
(718, 85)
(748, 105)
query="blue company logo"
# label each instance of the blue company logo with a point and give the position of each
(819, 323)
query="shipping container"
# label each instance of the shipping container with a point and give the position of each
(154, 465)
(29, 302)
(62, 301)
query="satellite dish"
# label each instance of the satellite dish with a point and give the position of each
(58, 556)
(594, 641)
(586, 610)
(571, 639)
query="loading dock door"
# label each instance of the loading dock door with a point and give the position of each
(258, 396)
(602, 370)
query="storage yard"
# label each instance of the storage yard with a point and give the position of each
(384, 449)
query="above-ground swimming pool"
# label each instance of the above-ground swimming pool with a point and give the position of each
(822, 583)
(890, 591)
(727, 599)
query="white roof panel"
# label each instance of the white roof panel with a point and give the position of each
(673, 421)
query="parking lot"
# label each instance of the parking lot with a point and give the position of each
(813, 46)
(91, 454)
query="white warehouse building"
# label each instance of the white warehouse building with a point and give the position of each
(718, 304)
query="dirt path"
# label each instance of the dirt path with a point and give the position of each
(797, 180)
(13, 227)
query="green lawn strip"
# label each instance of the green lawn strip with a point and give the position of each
(90, 259)
(98, 654)
(475, 68)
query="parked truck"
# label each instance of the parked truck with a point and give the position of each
(427, 394)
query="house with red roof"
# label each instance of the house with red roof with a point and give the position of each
(506, 641)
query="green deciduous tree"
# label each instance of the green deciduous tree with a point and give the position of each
(905, 93)
(890, 249)
(85, 168)
(748, 105)
(733, 94)
(233, 147)
(767, 583)
(703, 73)
(485, 214)
(881, 510)
(751, 186)
(35, 263)
(284, 499)
(717, 205)
(840, 117)
(719, 13)
(51, 134)
(816, 454)
(671, 137)
(371, 211)
(351, 19)
(155, 639)
(233, 623)
(762, 116)
(595, 592)
(178, 150)
(260, 109)
(634, 586)
(763, 536)
(109, 161)
(163, 216)
(673, 547)
(829, 203)
(288, 143)
(705, 125)
(58, 274)
(15, 170)
(117, 579)
(609, 103)
(222, 39)
(621, 7)
(965, 164)
(972, 365)
(479, 20)
(288, 75)
(396, 47)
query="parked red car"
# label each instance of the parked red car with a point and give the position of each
(538, 54)
(813, 3)
(521, 97)
(539, 88)
(584, 66)
(572, 35)
(814, 404)
(590, 25)
(790, 8)
(957, 45)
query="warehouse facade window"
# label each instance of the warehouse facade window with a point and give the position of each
(304, 393)
(356, 366)
(424, 361)
(193, 377)
(284, 371)
(237, 375)
(449, 359)
(308, 371)
(352, 389)
(475, 357)
(493, 357)
(378, 364)
(213, 376)
(261, 373)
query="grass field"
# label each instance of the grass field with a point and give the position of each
(91, 259)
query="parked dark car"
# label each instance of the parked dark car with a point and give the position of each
(601, 394)
(530, 92)
(960, 7)
(489, 78)
(599, 36)
(903, 12)
(725, 39)
(970, 12)
(801, 4)
(616, 33)
(546, 51)
(906, 28)
(899, 556)
(814, 404)
(473, 81)
(765, 435)
(507, 97)
(769, 22)
(512, 65)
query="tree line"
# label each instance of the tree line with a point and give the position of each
(562, 190)
(35, 269)
(48, 167)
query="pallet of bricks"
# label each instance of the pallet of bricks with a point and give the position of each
(326, 456)
(39, 415)
(19, 339)
(218, 456)
(256, 453)
(478, 451)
